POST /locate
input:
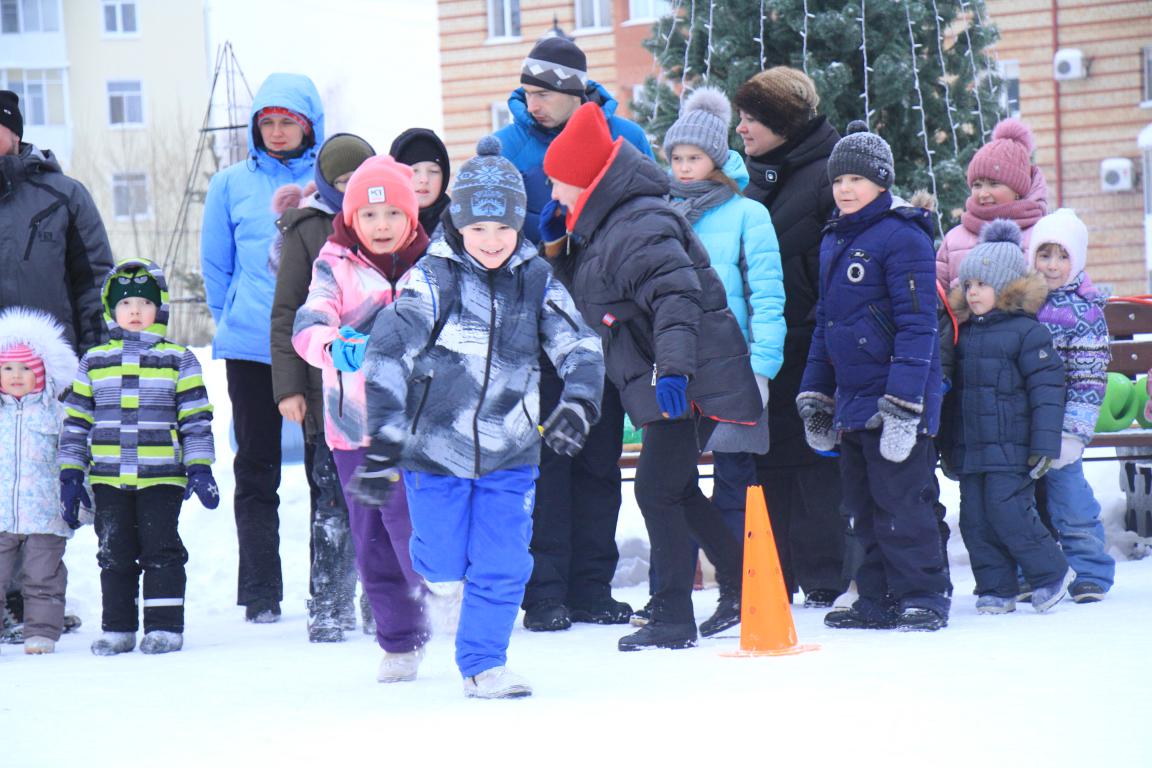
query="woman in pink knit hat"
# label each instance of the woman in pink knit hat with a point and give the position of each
(1005, 185)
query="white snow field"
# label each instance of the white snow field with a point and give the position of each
(1068, 688)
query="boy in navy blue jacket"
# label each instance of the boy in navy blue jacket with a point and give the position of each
(873, 384)
(1004, 419)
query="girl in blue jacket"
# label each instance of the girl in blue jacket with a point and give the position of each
(707, 178)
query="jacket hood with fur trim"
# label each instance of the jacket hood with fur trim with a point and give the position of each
(1024, 295)
(45, 336)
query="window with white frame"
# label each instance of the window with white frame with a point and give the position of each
(1146, 69)
(120, 17)
(503, 18)
(1010, 87)
(130, 195)
(125, 102)
(41, 93)
(18, 16)
(648, 10)
(593, 14)
(500, 115)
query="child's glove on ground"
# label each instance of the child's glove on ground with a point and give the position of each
(347, 349)
(201, 483)
(374, 479)
(898, 423)
(566, 429)
(72, 496)
(816, 411)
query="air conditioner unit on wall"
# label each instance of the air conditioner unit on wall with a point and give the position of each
(1117, 174)
(1069, 64)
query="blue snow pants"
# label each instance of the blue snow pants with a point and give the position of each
(477, 530)
(1075, 514)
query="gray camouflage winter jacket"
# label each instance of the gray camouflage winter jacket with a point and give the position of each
(452, 365)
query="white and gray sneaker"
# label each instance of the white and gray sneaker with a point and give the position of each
(399, 667)
(1046, 596)
(442, 605)
(160, 641)
(991, 604)
(496, 683)
(112, 643)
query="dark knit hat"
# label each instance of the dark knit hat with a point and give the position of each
(782, 98)
(128, 283)
(998, 259)
(420, 145)
(10, 116)
(703, 123)
(583, 148)
(340, 154)
(488, 188)
(557, 65)
(861, 153)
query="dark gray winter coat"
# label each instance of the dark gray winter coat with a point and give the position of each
(452, 368)
(643, 280)
(54, 252)
(1007, 399)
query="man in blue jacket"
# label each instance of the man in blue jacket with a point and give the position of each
(578, 498)
(287, 129)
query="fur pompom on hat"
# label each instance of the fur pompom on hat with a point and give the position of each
(998, 259)
(861, 153)
(704, 120)
(1007, 158)
(37, 340)
(1064, 228)
(488, 188)
(782, 98)
(580, 152)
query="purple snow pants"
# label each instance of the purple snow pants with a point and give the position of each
(380, 536)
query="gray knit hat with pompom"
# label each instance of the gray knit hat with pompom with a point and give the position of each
(704, 120)
(998, 259)
(488, 188)
(861, 153)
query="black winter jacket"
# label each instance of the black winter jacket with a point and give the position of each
(792, 183)
(1007, 399)
(643, 281)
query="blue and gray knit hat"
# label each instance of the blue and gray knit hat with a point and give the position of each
(488, 188)
(861, 153)
(998, 259)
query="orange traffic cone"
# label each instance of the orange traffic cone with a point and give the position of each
(766, 627)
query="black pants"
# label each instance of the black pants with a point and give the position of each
(137, 530)
(257, 423)
(676, 512)
(332, 580)
(577, 506)
(891, 506)
(804, 509)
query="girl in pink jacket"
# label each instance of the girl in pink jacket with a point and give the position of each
(1005, 185)
(374, 241)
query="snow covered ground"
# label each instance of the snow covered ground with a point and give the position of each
(1069, 688)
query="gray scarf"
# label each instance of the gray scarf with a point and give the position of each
(696, 198)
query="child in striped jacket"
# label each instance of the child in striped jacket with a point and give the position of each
(139, 424)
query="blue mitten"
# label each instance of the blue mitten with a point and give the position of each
(672, 396)
(72, 496)
(552, 221)
(347, 349)
(201, 482)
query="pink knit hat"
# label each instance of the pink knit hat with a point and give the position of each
(381, 179)
(1007, 158)
(22, 353)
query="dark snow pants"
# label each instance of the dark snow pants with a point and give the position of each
(137, 530)
(332, 578)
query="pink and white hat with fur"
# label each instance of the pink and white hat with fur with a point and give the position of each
(1064, 228)
(31, 336)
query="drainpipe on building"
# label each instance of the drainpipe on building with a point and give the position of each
(1056, 112)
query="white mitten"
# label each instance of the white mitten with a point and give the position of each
(1071, 449)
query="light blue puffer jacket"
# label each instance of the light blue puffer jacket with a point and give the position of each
(740, 232)
(239, 225)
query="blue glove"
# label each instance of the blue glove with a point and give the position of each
(552, 222)
(72, 496)
(347, 349)
(672, 396)
(201, 482)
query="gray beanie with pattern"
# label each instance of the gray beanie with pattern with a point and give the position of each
(861, 153)
(703, 122)
(998, 259)
(488, 188)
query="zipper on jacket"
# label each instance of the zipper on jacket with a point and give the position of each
(16, 485)
(883, 321)
(487, 367)
(912, 288)
(34, 226)
(423, 401)
(653, 374)
(563, 314)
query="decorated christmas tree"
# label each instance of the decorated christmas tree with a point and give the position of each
(917, 71)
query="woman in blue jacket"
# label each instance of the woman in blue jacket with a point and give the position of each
(287, 128)
(738, 234)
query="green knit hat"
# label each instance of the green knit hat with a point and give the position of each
(135, 283)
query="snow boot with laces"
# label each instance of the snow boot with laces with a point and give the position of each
(496, 683)
(399, 667)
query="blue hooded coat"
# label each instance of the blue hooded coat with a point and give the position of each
(239, 225)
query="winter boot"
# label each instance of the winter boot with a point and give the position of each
(71, 623)
(496, 683)
(820, 598)
(660, 634)
(605, 611)
(346, 615)
(864, 614)
(323, 624)
(915, 619)
(1024, 592)
(38, 645)
(848, 598)
(112, 643)
(1086, 592)
(727, 614)
(1048, 595)
(991, 604)
(641, 616)
(442, 605)
(547, 616)
(367, 620)
(399, 667)
(12, 634)
(159, 641)
(262, 612)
